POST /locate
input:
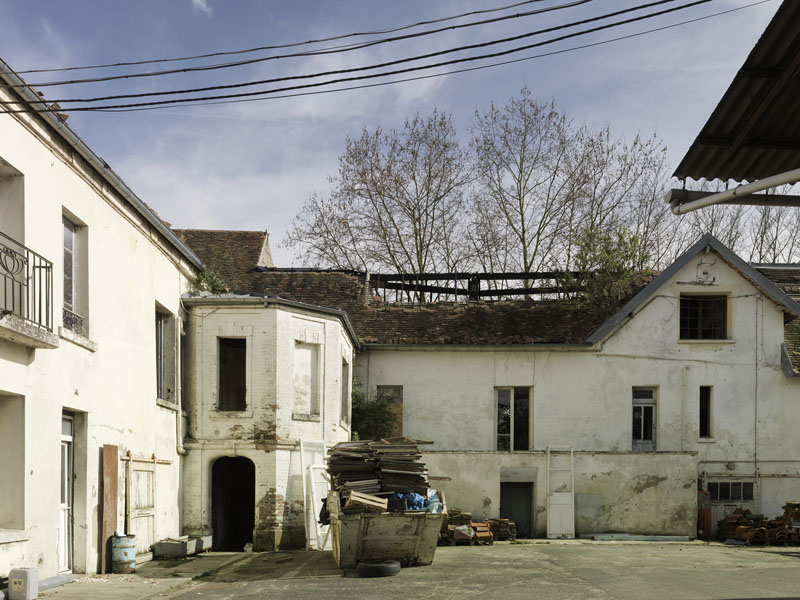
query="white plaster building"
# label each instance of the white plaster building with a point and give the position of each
(692, 384)
(262, 374)
(90, 287)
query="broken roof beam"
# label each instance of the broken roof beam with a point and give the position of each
(740, 193)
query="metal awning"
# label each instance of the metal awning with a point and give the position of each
(754, 132)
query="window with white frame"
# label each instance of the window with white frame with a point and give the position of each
(76, 301)
(644, 419)
(513, 406)
(165, 356)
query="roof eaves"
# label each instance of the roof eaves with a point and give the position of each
(707, 241)
(29, 96)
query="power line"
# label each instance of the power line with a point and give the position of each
(190, 102)
(288, 45)
(410, 59)
(318, 52)
(453, 72)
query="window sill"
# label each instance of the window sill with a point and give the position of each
(9, 536)
(707, 342)
(305, 417)
(77, 339)
(169, 405)
(215, 413)
(706, 441)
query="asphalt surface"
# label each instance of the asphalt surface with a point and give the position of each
(536, 569)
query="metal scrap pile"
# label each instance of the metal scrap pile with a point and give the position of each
(744, 526)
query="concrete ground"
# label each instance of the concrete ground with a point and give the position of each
(540, 569)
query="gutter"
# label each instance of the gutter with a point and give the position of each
(24, 91)
(740, 190)
(481, 348)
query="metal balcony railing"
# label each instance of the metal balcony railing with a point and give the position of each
(26, 283)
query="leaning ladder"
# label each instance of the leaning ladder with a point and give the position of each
(560, 492)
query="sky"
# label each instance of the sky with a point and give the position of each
(252, 165)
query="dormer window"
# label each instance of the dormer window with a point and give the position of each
(704, 318)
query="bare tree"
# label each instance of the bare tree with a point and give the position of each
(396, 203)
(526, 182)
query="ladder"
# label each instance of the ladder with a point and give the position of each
(560, 492)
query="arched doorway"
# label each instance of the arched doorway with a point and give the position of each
(233, 492)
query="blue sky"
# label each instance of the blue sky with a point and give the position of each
(252, 165)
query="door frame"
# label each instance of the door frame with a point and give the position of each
(66, 495)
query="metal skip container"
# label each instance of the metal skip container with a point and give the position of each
(409, 537)
(123, 554)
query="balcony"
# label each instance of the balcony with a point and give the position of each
(26, 296)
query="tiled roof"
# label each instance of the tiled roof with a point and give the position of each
(459, 323)
(787, 278)
(231, 253)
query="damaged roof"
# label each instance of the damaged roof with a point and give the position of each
(505, 322)
(230, 253)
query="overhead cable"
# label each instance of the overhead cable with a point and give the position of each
(268, 94)
(318, 52)
(391, 63)
(287, 45)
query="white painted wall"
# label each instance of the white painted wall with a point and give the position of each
(107, 379)
(582, 397)
(269, 430)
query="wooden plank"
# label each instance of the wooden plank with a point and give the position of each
(109, 506)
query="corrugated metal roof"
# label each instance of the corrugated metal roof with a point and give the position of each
(754, 132)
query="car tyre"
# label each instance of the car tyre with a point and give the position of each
(379, 568)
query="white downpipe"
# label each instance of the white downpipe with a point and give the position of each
(738, 191)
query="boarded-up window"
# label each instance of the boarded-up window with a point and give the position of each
(232, 374)
(394, 393)
(306, 378)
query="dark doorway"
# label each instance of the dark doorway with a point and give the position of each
(233, 492)
(516, 504)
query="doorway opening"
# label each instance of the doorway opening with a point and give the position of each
(233, 493)
(516, 504)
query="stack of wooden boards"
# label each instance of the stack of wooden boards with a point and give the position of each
(364, 471)
(503, 529)
(459, 528)
(744, 526)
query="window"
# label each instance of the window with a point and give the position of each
(345, 414)
(644, 420)
(394, 393)
(731, 490)
(513, 418)
(76, 304)
(232, 374)
(703, 317)
(306, 379)
(705, 411)
(165, 356)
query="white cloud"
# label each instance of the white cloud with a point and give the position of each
(201, 6)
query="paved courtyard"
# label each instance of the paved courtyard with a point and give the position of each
(537, 569)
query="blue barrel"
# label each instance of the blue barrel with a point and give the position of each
(123, 554)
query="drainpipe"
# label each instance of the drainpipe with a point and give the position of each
(740, 190)
(178, 387)
(683, 406)
(755, 401)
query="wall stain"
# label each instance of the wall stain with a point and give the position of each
(644, 482)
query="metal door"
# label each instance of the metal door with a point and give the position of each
(65, 501)
(516, 504)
